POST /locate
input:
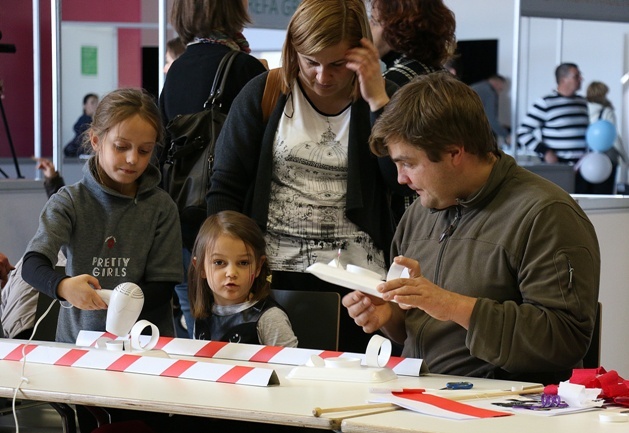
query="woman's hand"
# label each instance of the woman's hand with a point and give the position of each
(365, 62)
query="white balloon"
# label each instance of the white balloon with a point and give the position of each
(595, 167)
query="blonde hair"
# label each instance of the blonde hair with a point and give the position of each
(597, 92)
(320, 24)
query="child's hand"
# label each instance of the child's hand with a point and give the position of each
(47, 167)
(79, 291)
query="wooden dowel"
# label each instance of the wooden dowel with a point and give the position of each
(317, 411)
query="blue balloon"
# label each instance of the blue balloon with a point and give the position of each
(600, 135)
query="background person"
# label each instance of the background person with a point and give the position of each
(489, 91)
(306, 176)
(174, 49)
(555, 125)
(504, 264)
(600, 108)
(75, 146)
(413, 38)
(209, 29)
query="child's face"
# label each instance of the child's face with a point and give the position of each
(124, 153)
(230, 270)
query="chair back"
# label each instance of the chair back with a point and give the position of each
(314, 317)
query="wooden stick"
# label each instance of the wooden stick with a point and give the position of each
(335, 422)
(317, 411)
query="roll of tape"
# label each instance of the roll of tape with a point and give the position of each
(115, 345)
(136, 332)
(378, 351)
(101, 343)
(397, 271)
(342, 362)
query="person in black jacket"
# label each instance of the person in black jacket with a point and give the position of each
(413, 37)
(75, 146)
(209, 29)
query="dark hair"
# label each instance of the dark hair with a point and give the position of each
(319, 24)
(119, 105)
(233, 224)
(176, 47)
(563, 70)
(433, 112)
(88, 96)
(420, 29)
(199, 18)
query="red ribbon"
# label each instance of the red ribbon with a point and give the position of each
(611, 384)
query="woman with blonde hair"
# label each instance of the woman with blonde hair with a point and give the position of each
(306, 175)
(600, 108)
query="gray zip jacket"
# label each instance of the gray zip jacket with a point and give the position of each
(116, 239)
(526, 250)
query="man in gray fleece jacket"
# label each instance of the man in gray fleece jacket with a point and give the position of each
(504, 264)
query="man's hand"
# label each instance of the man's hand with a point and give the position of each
(418, 292)
(550, 157)
(369, 312)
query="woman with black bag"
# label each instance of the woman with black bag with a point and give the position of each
(209, 29)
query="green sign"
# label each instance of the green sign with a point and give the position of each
(89, 60)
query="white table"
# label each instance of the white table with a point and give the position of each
(290, 403)
(402, 421)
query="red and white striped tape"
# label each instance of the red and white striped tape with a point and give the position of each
(128, 362)
(252, 352)
(435, 405)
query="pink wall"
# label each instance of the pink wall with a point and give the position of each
(16, 70)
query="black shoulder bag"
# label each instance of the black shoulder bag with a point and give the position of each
(187, 168)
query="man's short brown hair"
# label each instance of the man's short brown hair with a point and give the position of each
(434, 112)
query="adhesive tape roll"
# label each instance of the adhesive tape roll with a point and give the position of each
(397, 271)
(378, 351)
(613, 417)
(115, 345)
(342, 362)
(136, 332)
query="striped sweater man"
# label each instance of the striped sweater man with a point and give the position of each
(556, 124)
